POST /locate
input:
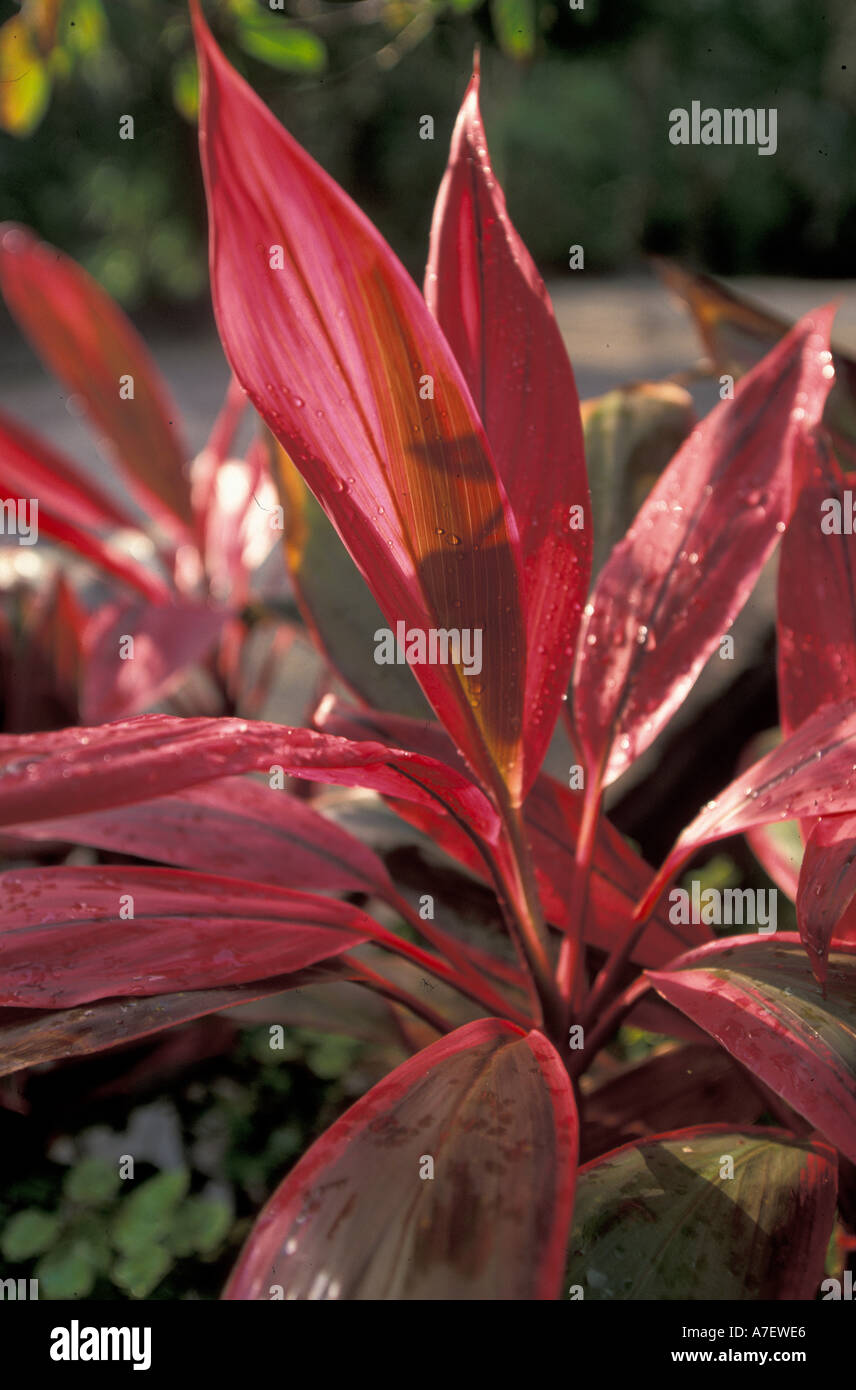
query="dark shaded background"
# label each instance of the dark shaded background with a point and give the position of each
(576, 104)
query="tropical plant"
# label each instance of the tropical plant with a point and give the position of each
(442, 438)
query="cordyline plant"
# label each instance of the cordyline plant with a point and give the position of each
(442, 438)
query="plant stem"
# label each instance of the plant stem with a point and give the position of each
(608, 1023)
(519, 897)
(468, 981)
(569, 973)
(611, 970)
(381, 985)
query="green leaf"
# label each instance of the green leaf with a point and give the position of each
(85, 26)
(630, 435)
(282, 46)
(67, 1272)
(28, 1233)
(658, 1220)
(514, 26)
(185, 87)
(199, 1227)
(92, 1183)
(330, 1059)
(24, 83)
(141, 1272)
(145, 1216)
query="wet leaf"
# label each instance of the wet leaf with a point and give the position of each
(657, 1220)
(759, 999)
(684, 570)
(492, 1106)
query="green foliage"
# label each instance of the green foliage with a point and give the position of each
(514, 26)
(91, 1183)
(285, 47)
(28, 1233)
(145, 1217)
(85, 1232)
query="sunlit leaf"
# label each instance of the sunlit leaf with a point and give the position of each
(282, 45)
(24, 82)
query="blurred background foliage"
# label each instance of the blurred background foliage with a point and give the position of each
(576, 103)
(206, 1156)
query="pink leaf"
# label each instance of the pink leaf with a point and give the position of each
(338, 352)
(72, 934)
(672, 587)
(490, 301)
(812, 773)
(47, 775)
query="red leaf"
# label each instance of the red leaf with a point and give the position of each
(47, 775)
(29, 1037)
(775, 859)
(552, 818)
(167, 639)
(493, 1107)
(816, 599)
(86, 340)
(686, 566)
(812, 773)
(234, 827)
(681, 1086)
(67, 938)
(490, 302)
(757, 997)
(826, 887)
(69, 506)
(338, 352)
(817, 666)
(32, 467)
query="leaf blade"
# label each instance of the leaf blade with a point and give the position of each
(461, 1231)
(490, 301)
(67, 938)
(759, 999)
(339, 354)
(682, 573)
(86, 340)
(655, 1220)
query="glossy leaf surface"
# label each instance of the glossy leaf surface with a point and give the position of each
(672, 587)
(657, 1220)
(43, 776)
(72, 934)
(759, 999)
(493, 1106)
(338, 352)
(493, 308)
(86, 340)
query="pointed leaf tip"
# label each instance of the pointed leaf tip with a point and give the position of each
(336, 348)
(485, 292)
